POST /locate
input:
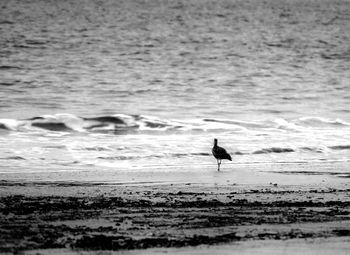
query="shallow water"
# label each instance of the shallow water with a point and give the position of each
(140, 85)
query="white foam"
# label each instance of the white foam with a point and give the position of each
(11, 124)
(284, 124)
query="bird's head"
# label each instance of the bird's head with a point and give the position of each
(215, 141)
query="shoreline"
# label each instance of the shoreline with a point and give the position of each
(175, 210)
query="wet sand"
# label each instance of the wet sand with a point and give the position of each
(182, 216)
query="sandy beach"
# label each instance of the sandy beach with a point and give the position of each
(133, 215)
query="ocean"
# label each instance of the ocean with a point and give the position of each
(146, 85)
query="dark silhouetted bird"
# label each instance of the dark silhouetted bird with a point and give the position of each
(219, 153)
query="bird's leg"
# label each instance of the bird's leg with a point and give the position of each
(219, 163)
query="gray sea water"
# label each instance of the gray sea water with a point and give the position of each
(145, 85)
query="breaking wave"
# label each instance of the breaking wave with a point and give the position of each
(340, 147)
(121, 123)
(273, 150)
(69, 122)
(321, 122)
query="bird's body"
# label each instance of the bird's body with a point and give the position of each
(220, 153)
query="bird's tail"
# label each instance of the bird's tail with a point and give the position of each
(229, 157)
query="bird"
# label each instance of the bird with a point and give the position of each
(220, 153)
